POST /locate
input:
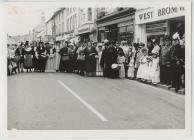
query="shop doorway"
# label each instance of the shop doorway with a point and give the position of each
(112, 32)
(177, 25)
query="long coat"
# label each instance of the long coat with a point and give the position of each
(41, 58)
(90, 59)
(109, 57)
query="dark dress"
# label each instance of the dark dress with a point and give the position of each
(109, 57)
(21, 53)
(72, 60)
(64, 61)
(90, 59)
(28, 61)
(41, 58)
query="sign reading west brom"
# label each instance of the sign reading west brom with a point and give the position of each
(156, 14)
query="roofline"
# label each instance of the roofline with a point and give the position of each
(54, 14)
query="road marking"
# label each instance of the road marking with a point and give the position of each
(92, 109)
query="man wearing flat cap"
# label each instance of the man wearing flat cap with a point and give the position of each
(165, 75)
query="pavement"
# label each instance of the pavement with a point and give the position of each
(61, 101)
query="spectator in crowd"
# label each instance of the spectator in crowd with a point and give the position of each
(177, 59)
(138, 55)
(51, 56)
(121, 61)
(143, 67)
(58, 56)
(28, 57)
(125, 48)
(72, 60)
(109, 57)
(154, 73)
(165, 67)
(81, 58)
(19, 55)
(64, 62)
(131, 68)
(98, 67)
(35, 57)
(90, 59)
(11, 62)
(41, 51)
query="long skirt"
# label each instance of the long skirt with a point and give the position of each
(64, 65)
(57, 61)
(154, 72)
(131, 72)
(50, 65)
(122, 71)
(99, 70)
(142, 71)
(109, 72)
(42, 63)
(72, 62)
(91, 64)
(28, 61)
(35, 63)
(81, 66)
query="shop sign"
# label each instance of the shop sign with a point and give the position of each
(58, 38)
(84, 29)
(156, 14)
(101, 28)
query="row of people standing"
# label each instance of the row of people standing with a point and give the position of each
(37, 58)
(160, 62)
(154, 63)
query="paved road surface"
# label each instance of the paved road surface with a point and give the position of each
(42, 101)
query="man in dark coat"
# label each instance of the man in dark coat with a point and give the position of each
(165, 68)
(64, 62)
(41, 50)
(177, 56)
(109, 57)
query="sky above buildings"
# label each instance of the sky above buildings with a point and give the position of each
(20, 20)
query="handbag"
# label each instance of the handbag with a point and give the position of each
(114, 66)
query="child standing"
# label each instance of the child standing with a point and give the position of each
(121, 61)
(143, 68)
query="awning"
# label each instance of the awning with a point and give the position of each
(41, 34)
(116, 21)
(75, 39)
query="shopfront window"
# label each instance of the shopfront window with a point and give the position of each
(126, 33)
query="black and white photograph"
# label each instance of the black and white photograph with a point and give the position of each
(75, 67)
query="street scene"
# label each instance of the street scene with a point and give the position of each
(86, 68)
(69, 102)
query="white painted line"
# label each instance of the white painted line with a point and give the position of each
(92, 109)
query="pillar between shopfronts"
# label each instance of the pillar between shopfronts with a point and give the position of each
(140, 33)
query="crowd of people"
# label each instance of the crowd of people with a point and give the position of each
(160, 61)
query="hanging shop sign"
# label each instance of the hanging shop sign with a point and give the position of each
(84, 29)
(126, 23)
(156, 14)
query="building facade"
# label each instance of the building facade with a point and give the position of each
(157, 22)
(86, 24)
(115, 24)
